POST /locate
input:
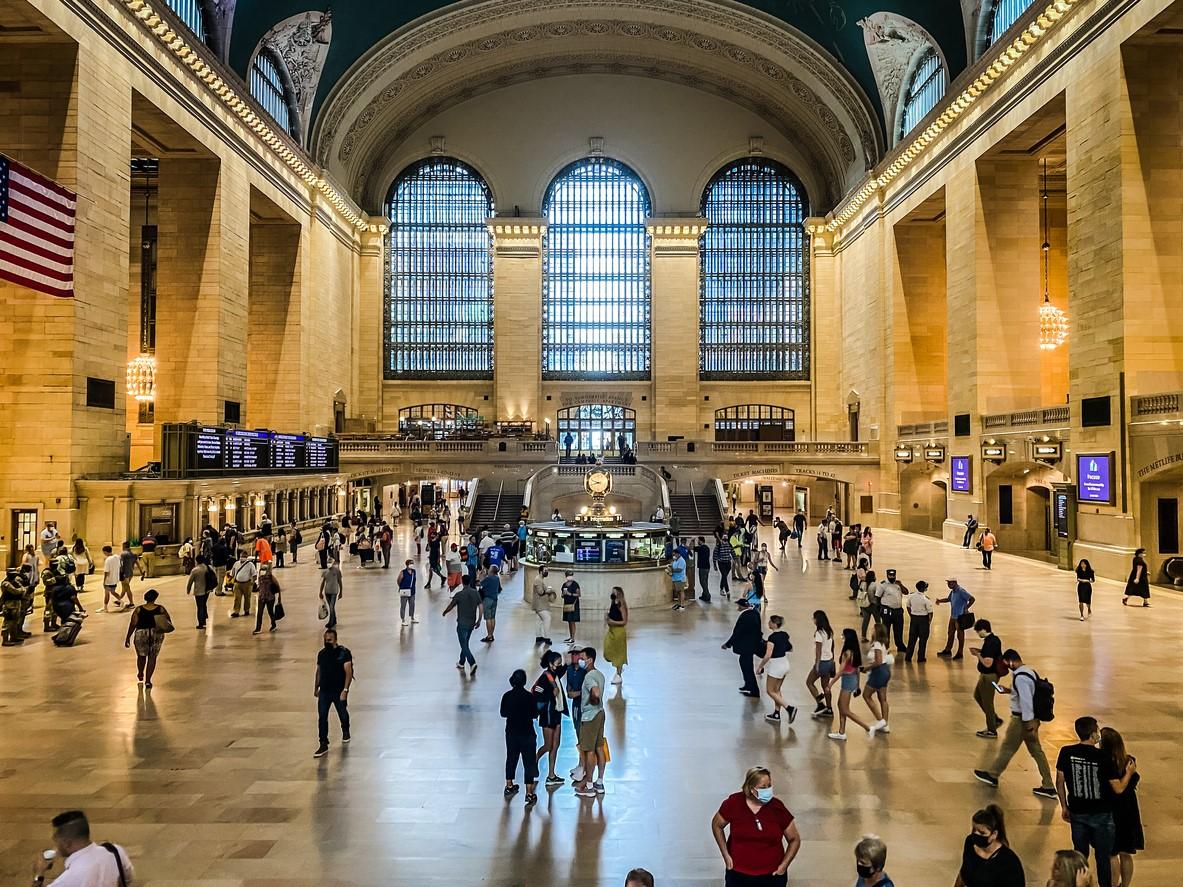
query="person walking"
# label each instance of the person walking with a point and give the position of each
(518, 708)
(960, 618)
(990, 669)
(1128, 838)
(469, 612)
(678, 576)
(202, 580)
(865, 599)
(1085, 577)
(591, 728)
(878, 668)
(746, 641)
(823, 665)
(148, 625)
(870, 860)
(269, 596)
(85, 863)
(111, 571)
(83, 564)
(920, 609)
(799, 524)
(243, 574)
(756, 834)
(1138, 584)
(971, 527)
(220, 561)
(616, 633)
(295, 539)
(334, 675)
(722, 557)
(406, 592)
(1087, 780)
(331, 590)
(1023, 728)
(987, 544)
(702, 561)
(890, 595)
(541, 597)
(490, 594)
(129, 562)
(775, 668)
(850, 663)
(148, 554)
(279, 546)
(550, 704)
(386, 543)
(571, 594)
(986, 857)
(823, 541)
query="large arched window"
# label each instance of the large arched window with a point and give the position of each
(754, 282)
(595, 291)
(270, 90)
(192, 13)
(439, 289)
(1004, 14)
(754, 421)
(926, 87)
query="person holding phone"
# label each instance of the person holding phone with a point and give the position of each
(990, 668)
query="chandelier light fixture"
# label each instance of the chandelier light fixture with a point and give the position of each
(1053, 323)
(141, 371)
(141, 378)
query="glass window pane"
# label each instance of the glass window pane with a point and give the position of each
(754, 281)
(925, 89)
(190, 12)
(267, 88)
(439, 286)
(595, 291)
(1004, 14)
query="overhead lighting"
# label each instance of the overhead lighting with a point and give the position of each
(1053, 323)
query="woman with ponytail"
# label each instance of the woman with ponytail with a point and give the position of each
(986, 859)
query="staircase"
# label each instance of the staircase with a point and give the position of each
(487, 513)
(692, 522)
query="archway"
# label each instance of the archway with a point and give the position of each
(596, 427)
(924, 498)
(1018, 508)
(1160, 500)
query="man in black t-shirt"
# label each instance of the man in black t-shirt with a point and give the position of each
(990, 666)
(334, 674)
(702, 560)
(1085, 779)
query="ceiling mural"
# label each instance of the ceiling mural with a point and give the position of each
(892, 43)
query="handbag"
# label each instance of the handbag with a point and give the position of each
(162, 623)
(279, 613)
(323, 611)
(966, 620)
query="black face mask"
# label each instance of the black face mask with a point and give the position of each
(982, 841)
(864, 871)
(329, 645)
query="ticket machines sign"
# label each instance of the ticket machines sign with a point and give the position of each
(994, 453)
(934, 454)
(961, 474)
(903, 453)
(1094, 478)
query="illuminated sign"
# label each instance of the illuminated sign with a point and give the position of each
(903, 454)
(1094, 478)
(961, 474)
(994, 452)
(934, 454)
(1061, 506)
(1047, 452)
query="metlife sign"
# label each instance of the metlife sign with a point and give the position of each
(1094, 478)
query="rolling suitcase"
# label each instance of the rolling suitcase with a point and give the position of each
(68, 633)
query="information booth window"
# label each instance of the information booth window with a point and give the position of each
(162, 521)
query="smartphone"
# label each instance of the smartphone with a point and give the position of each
(997, 686)
(50, 855)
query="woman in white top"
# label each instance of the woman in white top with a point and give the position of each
(775, 667)
(823, 665)
(83, 564)
(878, 668)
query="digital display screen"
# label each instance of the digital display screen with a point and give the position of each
(287, 452)
(208, 452)
(614, 551)
(1094, 478)
(191, 450)
(588, 551)
(319, 454)
(1061, 514)
(961, 474)
(248, 451)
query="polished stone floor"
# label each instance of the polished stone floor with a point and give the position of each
(209, 777)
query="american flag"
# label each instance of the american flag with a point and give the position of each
(36, 230)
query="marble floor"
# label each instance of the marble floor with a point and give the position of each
(209, 778)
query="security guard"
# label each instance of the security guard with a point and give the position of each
(12, 607)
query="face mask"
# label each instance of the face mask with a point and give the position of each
(329, 645)
(764, 795)
(982, 841)
(864, 871)
(583, 663)
(983, 634)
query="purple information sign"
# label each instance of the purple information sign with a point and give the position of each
(961, 475)
(1094, 477)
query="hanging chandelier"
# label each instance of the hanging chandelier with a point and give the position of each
(141, 378)
(1053, 323)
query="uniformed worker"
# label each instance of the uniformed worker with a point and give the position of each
(12, 607)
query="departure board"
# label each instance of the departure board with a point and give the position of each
(192, 450)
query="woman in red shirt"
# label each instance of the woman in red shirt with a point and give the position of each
(763, 837)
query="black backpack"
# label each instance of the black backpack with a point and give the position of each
(211, 578)
(1043, 698)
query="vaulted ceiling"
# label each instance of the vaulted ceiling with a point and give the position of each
(815, 69)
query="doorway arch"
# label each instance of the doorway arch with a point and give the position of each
(596, 427)
(1018, 508)
(924, 499)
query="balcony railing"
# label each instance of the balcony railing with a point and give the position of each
(1042, 418)
(362, 447)
(1157, 404)
(923, 429)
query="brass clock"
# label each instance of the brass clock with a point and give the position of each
(597, 482)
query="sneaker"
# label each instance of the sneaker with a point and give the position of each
(472, 669)
(233, 615)
(404, 621)
(413, 619)
(1045, 792)
(577, 774)
(148, 685)
(983, 776)
(587, 792)
(511, 790)
(773, 716)
(321, 750)
(618, 679)
(345, 738)
(101, 610)
(820, 707)
(598, 787)
(873, 729)
(828, 713)
(792, 712)
(837, 737)
(556, 779)
(531, 799)
(987, 734)
(886, 728)
(958, 656)
(258, 631)
(945, 654)
(460, 665)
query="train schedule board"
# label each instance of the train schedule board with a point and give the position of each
(193, 450)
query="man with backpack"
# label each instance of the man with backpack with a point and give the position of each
(1031, 703)
(202, 580)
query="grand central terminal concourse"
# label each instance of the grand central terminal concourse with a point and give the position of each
(598, 443)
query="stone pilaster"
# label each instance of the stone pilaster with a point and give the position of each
(674, 320)
(828, 404)
(371, 298)
(517, 318)
(275, 361)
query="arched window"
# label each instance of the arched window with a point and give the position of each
(1004, 14)
(437, 420)
(439, 286)
(270, 90)
(595, 289)
(754, 281)
(192, 13)
(754, 421)
(926, 87)
(596, 427)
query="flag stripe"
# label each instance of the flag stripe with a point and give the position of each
(33, 175)
(37, 282)
(63, 244)
(51, 261)
(34, 187)
(39, 211)
(37, 219)
(20, 259)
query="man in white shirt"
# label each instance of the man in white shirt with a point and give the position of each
(243, 575)
(110, 578)
(50, 539)
(891, 599)
(920, 609)
(1023, 728)
(86, 864)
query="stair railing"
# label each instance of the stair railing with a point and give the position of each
(497, 505)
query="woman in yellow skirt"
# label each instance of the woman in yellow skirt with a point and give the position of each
(616, 639)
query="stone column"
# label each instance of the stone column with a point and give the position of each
(674, 320)
(828, 421)
(275, 358)
(517, 318)
(371, 334)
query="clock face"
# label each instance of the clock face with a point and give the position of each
(597, 482)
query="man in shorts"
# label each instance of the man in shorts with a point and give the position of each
(129, 562)
(110, 578)
(591, 727)
(490, 591)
